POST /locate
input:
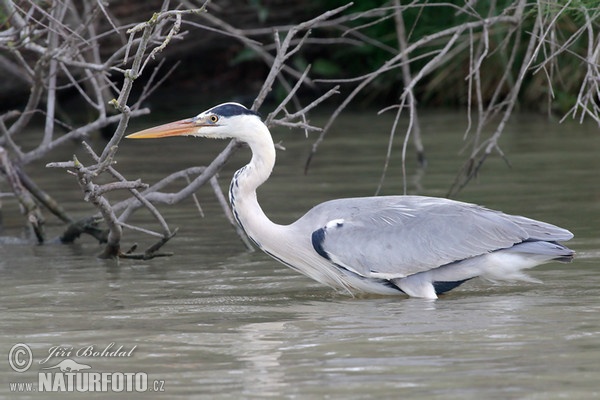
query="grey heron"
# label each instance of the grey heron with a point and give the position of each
(413, 245)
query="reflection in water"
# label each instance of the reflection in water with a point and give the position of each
(260, 353)
(217, 322)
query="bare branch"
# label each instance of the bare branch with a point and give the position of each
(392, 63)
(214, 183)
(30, 208)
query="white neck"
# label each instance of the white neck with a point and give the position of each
(242, 192)
(290, 244)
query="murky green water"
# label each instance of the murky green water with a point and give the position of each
(215, 321)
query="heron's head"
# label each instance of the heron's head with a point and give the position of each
(228, 120)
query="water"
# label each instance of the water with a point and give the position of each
(215, 321)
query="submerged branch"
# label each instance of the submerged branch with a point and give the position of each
(151, 252)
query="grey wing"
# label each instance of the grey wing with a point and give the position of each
(401, 235)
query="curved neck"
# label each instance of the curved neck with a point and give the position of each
(242, 192)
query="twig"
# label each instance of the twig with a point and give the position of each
(283, 54)
(32, 212)
(214, 183)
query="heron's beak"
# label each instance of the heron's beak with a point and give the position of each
(178, 128)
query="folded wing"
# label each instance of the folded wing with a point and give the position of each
(397, 236)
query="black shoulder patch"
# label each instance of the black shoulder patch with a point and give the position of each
(318, 237)
(231, 109)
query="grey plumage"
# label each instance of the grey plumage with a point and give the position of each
(399, 236)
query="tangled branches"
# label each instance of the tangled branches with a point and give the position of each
(75, 53)
(58, 47)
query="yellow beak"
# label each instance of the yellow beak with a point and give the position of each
(177, 128)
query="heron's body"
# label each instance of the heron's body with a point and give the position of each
(414, 245)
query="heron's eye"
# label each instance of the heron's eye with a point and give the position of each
(213, 118)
